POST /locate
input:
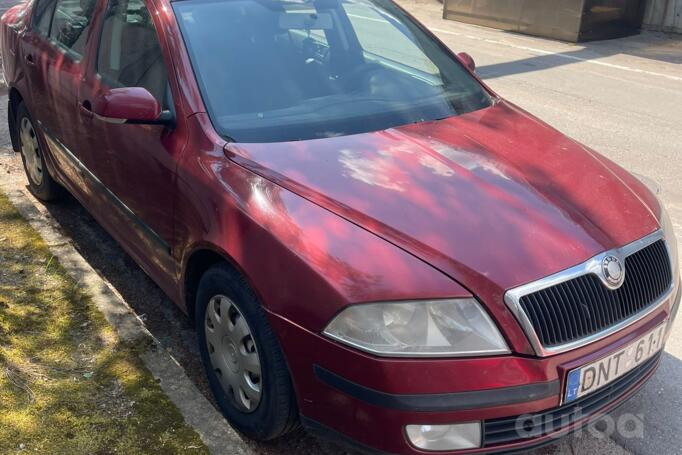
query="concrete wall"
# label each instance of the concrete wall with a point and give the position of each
(556, 18)
(663, 15)
(568, 20)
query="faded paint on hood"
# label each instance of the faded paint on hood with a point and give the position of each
(493, 198)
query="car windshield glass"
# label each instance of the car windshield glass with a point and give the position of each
(272, 70)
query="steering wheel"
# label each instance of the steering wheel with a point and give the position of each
(359, 75)
(314, 52)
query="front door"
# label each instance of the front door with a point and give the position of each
(134, 165)
(39, 57)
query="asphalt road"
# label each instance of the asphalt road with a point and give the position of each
(623, 98)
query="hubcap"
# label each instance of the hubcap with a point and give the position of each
(31, 151)
(233, 353)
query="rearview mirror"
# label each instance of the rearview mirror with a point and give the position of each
(129, 105)
(467, 60)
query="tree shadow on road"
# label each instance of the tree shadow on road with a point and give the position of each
(649, 45)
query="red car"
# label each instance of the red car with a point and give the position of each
(372, 243)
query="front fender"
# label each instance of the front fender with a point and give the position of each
(304, 262)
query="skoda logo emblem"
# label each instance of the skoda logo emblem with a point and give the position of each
(613, 271)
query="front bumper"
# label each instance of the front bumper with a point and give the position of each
(369, 400)
(546, 427)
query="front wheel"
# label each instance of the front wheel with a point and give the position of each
(40, 182)
(242, 357)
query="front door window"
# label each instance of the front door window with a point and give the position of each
(129, 51)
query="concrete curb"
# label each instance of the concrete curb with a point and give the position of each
(198, 412)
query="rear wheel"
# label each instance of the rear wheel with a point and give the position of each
(244, 363)
(40, 182)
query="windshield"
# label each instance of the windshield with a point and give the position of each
(272, 70)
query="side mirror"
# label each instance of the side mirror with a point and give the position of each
(133, 105)
(467, 60)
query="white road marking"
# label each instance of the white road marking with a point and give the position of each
(569, 57)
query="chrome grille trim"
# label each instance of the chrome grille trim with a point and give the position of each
(592, 266)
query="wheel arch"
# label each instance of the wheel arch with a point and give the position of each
(201, 259)
(198, 261)
(14, 100)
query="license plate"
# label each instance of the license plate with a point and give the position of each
(593, 376)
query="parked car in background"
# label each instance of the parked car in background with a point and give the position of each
(371, 242)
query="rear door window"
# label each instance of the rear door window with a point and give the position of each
(42, 16)
(71, 24)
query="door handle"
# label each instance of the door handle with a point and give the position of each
(85, 109)
(29, 60)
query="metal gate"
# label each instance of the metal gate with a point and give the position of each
(569, 20)
(663, 15)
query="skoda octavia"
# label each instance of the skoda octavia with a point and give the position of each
(371, 242)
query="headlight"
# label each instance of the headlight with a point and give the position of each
(436, 328)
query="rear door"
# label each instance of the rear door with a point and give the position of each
(39, 59)
(69, 35)
(54, 49)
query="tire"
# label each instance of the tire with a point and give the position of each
(226, 309)
(40, 182)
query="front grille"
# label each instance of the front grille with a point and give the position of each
(582, 306)
(519, 428)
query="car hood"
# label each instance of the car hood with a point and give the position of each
(493, 198)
